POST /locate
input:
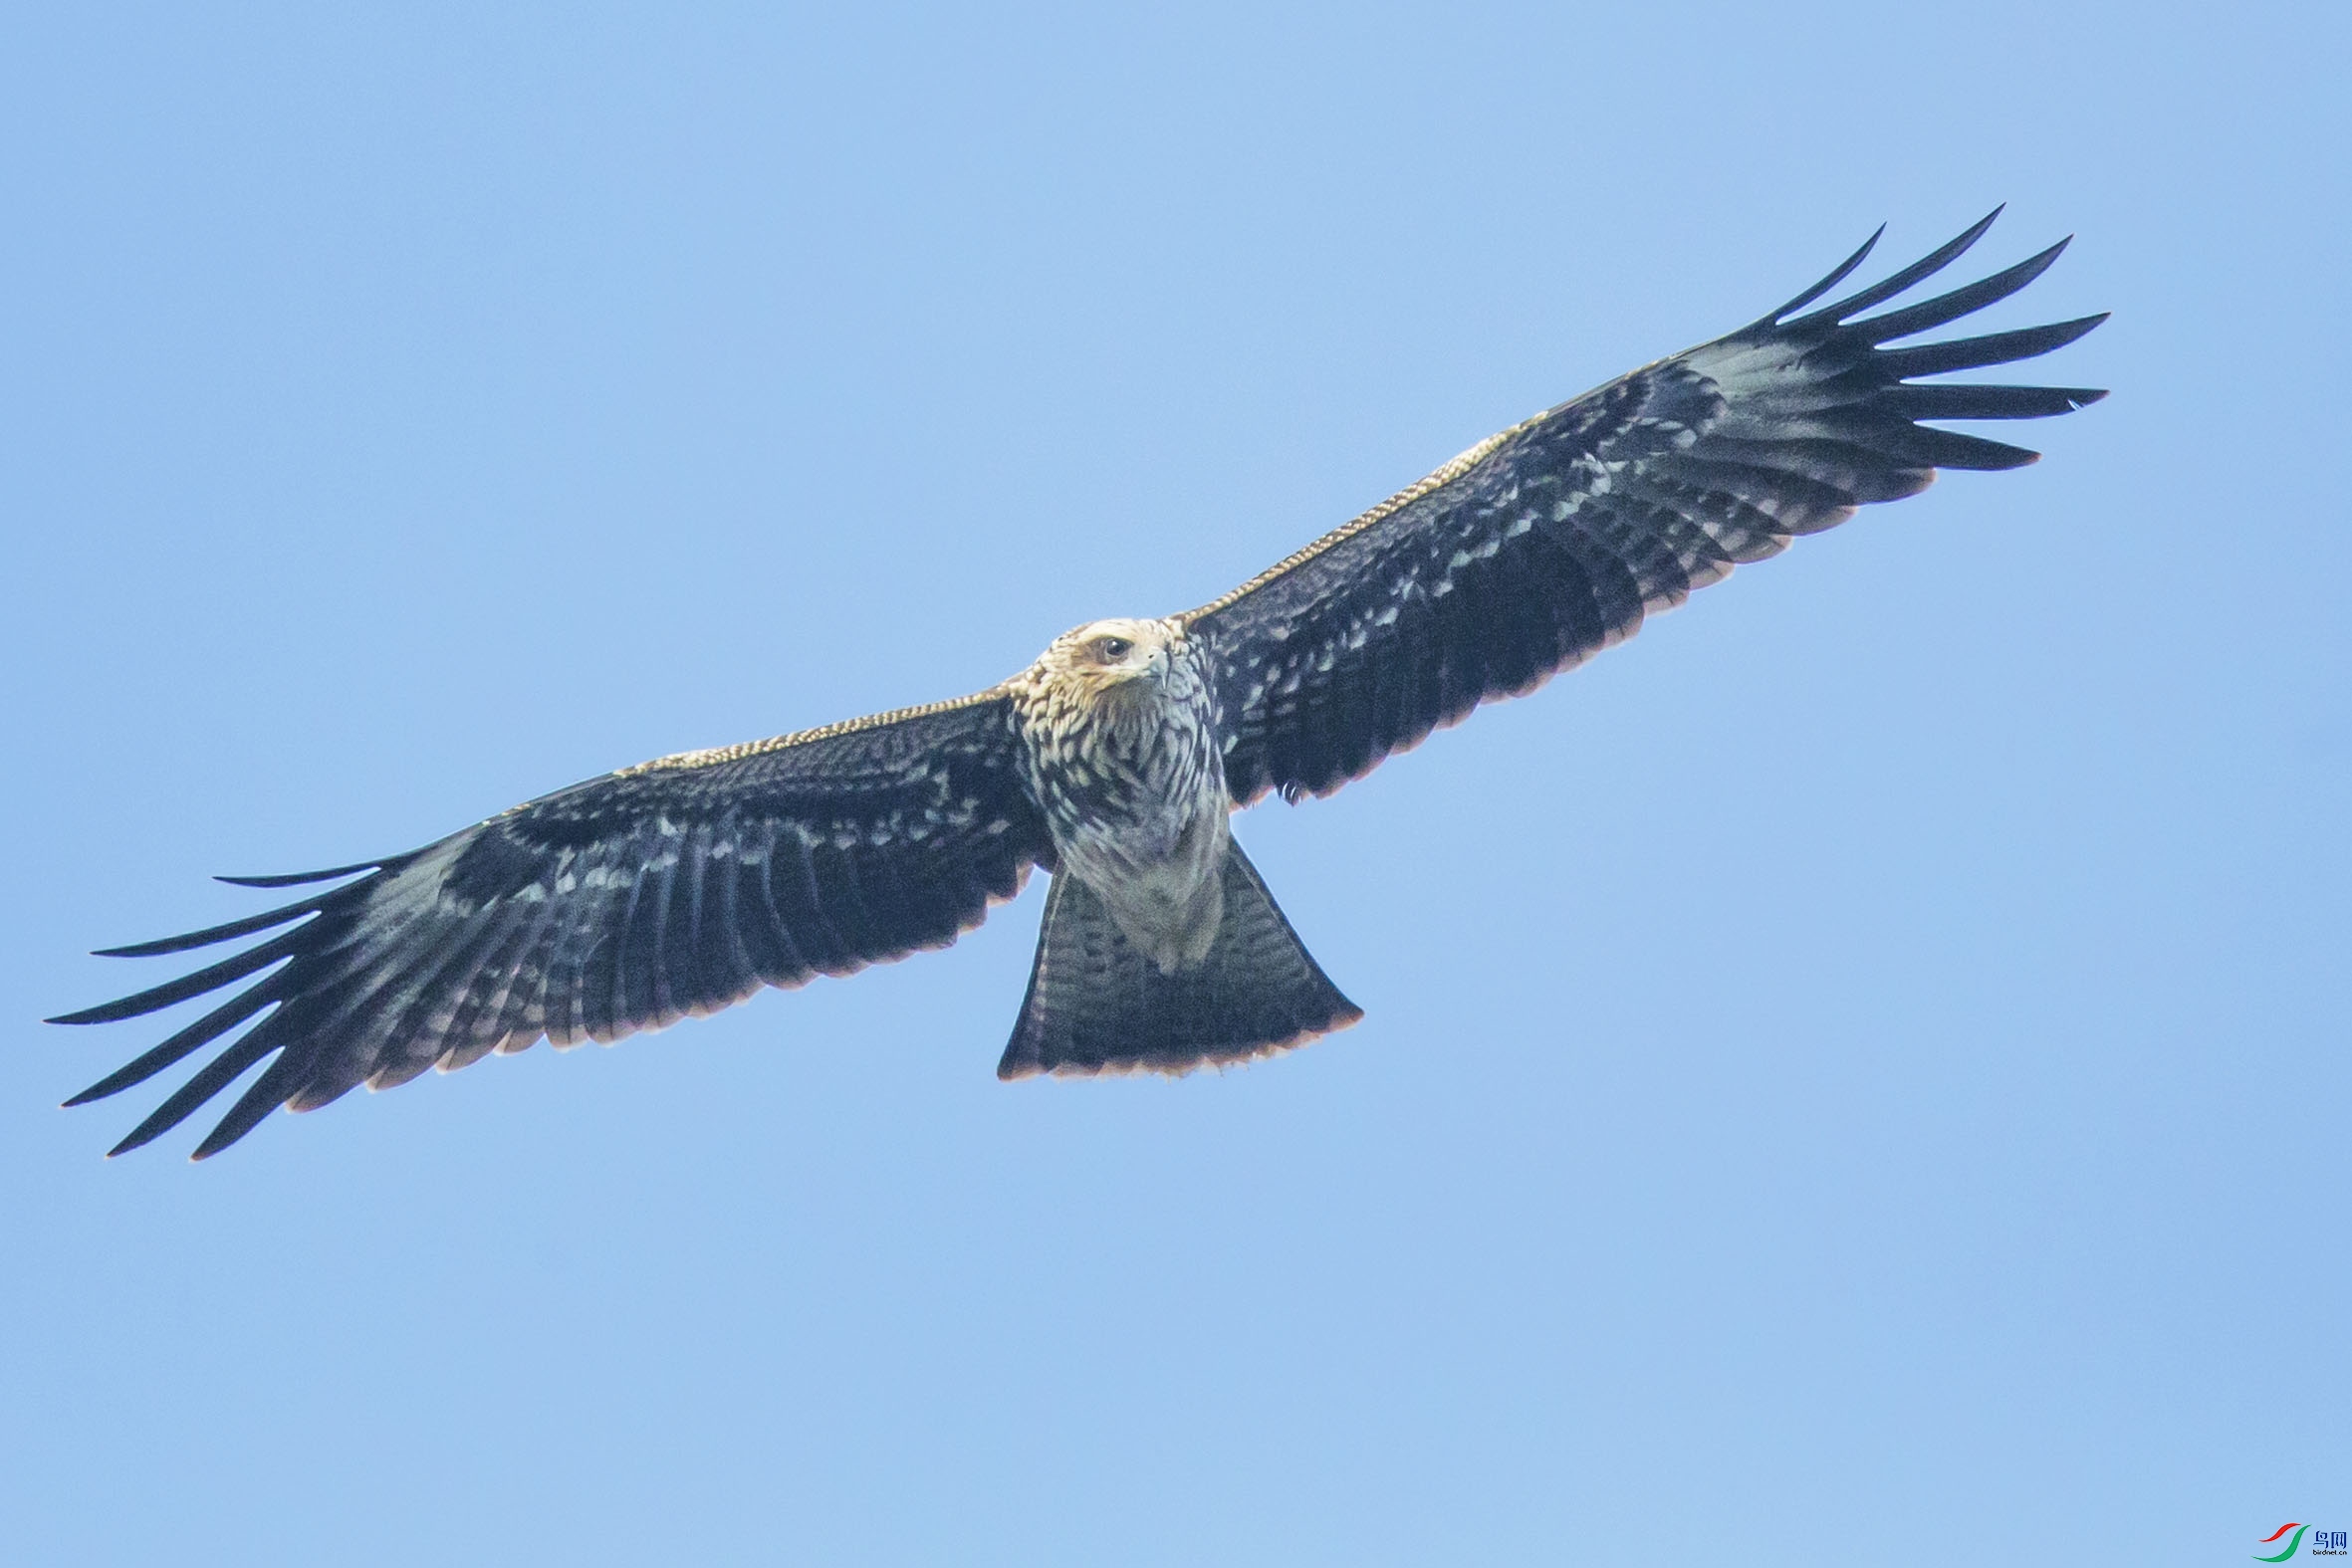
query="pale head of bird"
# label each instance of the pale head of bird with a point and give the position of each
(1112, 659)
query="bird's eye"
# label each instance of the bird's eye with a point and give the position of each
(1112, 649)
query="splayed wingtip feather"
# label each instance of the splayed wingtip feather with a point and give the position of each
(1963, 301)
(296, 878)
(1895, 283)
(1838, 275)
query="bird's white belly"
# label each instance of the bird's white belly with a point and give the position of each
(1166, 890)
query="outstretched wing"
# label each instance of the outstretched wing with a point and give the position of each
(1545, 544)
(622, 903)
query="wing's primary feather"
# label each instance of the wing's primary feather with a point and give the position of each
(1543, 544)
(622, 903)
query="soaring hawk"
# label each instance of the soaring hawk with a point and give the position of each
(1114, 762)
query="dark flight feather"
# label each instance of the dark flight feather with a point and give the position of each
(1548, 543)
(1887, 288)
(297, 878)
(1838, 275)
(211, 934)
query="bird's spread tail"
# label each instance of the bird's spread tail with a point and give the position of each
(1097, 1004)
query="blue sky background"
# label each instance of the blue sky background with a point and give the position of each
(1857, 1073)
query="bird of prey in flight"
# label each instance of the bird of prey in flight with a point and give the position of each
(1114, 762)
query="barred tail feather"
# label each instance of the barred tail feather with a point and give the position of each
(1097, 1005)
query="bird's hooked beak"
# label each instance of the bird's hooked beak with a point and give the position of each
(1139, 681)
